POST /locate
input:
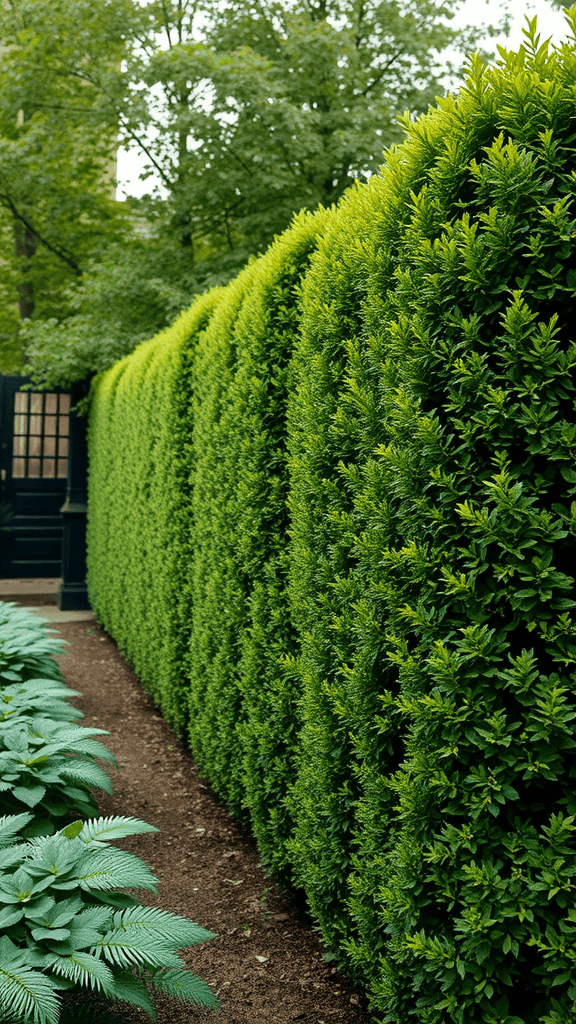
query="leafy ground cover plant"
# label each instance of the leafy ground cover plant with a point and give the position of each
(65, 924)
(47, 761)
(42, 697)
(51, 766)
(26, 650)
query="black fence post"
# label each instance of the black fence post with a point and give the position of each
(73, 591)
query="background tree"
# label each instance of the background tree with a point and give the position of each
(57, 160)
(245, 112)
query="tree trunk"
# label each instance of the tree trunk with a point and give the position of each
(25, 244)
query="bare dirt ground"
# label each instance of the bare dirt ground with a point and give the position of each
(266, 963)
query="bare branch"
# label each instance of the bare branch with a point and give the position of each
(8, 203)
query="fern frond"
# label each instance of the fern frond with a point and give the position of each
(94, 749)
(78, 770)
(10, 824)
(135, 951)
(82, 969)
(175, 932)
(62, 732)
(100, 830)
(26, 995)
(70, 737)
(185, 986)
(114, 869)
(132, 990)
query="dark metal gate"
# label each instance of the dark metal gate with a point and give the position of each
(34, 448)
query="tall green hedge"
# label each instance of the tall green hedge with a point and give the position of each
(243, 711)
(479, 902)
(139, 554)
(332, 525)
(434, 523)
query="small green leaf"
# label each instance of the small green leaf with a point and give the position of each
(72, 830)
(29, 795)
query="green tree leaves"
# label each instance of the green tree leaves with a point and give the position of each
(243, 118)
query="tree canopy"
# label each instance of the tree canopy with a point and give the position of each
(245, 112)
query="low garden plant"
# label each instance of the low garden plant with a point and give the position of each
(37, 697)
(65, 924)
(47, 761)
(51, 766)
(26, 650)
(65, 921)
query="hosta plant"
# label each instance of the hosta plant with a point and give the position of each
(50, 766)
(46, 698)
(66, 924)
(26, 651)
(47, 762)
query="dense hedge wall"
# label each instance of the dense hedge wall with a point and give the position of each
(482, 344)
(434, 524)
(372, 543)
(139, 550)
(243, 710)
(187, 528)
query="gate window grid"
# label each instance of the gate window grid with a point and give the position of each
(41, 430)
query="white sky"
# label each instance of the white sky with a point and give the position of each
(551, 22)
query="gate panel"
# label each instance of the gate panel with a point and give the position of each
(34, 432)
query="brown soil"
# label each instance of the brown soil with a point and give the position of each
(266, 964)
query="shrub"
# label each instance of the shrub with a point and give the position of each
(51, 766)
(26, 650)
(440, 652)
(139, 444)
(65, 924)
(46, 761)
(244, 702)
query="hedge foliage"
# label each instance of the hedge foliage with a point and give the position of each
(243, 692)
(139, 540)
(378, 562)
